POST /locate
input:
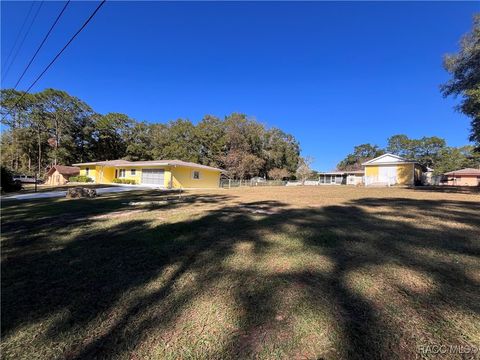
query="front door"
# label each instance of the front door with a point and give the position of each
(153, 177)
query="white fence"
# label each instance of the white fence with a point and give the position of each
(384, 180)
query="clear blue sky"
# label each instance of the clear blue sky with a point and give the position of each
(334, 74)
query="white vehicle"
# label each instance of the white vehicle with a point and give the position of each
(25, 179)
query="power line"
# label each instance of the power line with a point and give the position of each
(58, 55)
(19, 33)
(43, 42)
(23, 40)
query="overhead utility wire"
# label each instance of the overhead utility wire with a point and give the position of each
(58, 55)
(23, 40)
(43, 42)
(19, 33)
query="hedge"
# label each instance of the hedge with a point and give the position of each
(80, 178)
(124, 181)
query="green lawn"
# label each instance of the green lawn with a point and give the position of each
(272, 273)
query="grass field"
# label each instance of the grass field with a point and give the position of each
(270, 273)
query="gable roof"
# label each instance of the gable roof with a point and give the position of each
(465, 172)
(64, 170)
(388, 159)
(120, 163)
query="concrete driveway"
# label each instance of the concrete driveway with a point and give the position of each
(54, 194)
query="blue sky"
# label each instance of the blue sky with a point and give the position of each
(334, 74)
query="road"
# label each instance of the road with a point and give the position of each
(54, 194)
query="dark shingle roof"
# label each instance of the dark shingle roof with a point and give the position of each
(64, 170)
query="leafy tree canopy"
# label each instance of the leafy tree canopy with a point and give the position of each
(361, 153)
(425, 150)
(53, 127)
(464, 67)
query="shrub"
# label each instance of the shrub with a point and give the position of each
(7, 182)
(124, 181)
(80, 178)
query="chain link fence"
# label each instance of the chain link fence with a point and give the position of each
(229, 183)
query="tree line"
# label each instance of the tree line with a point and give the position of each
(464, 68)
(429, 151)
(52, 127)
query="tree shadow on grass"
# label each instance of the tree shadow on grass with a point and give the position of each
(135, 283)
(449, 189)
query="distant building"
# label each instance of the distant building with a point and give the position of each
(390, 169)
(462, 177)
(59, 174)
(341, 177)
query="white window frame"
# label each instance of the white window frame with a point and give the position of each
(133, 172)
(121, 173)
(193, 175)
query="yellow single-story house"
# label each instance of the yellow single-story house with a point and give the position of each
(390, 169)
(167, 174)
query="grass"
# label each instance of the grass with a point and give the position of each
(270, 273)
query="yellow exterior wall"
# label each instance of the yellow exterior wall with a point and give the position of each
(371, 170)
(92, 172)
(175, 176)
(168, 178)
(405, 174)
(105, 174)
(183, 178)
(128, 173)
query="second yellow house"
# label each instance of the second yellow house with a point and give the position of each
(390, 169)
(159, 173)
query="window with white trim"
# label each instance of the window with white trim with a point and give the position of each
(196, 175)
(121, 173)
(133, 172)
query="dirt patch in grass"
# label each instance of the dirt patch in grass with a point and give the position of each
(328, 272)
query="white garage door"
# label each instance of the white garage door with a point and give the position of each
(153, 177)
(387, 174)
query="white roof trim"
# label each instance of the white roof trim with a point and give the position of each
(376, 160)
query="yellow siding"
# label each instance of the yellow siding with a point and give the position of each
(371, 170)
(405, 174)
(105, 174)
(176, 177)
(91, 173)
(168, 178)
(183, 177)
(128, 173)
